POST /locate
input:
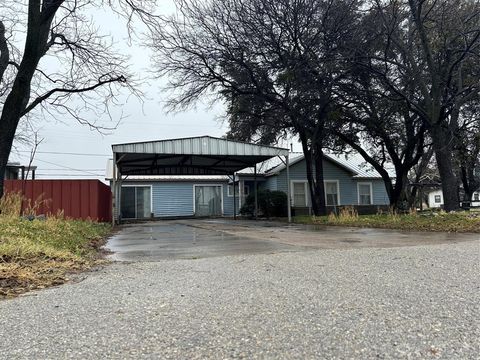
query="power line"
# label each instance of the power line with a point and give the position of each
(66, 167)
(64, 153)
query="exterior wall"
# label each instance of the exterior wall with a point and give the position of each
(432, 204)
(78, 199)
(347, 184)
(431, 199)
(379, 192)
(175, 198)
(270, 183)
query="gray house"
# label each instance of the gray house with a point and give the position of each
(347, 182)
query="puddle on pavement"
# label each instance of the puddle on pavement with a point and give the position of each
(178, 241)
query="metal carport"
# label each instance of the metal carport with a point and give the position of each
(203, 155)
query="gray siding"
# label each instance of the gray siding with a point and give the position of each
(347, 184)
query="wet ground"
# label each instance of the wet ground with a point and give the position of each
(284, 292)
(194, 239)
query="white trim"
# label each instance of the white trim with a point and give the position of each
(215, 185)
(240, 188)
(358, 192)
(305, 182)
(151, 198)
(338, 190)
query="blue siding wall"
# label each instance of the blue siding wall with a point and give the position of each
(269, 184)
(380, 196)
(347, 184)
(172, 199)
(228, 202)
(175, 198)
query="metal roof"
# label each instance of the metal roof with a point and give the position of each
(203, 155)
(353, 163)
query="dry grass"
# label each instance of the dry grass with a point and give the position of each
(427, 221)
(40, 253)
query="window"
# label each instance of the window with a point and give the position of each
(246, 190)
(476, 197)
(331, 193)
(364, 193)
(438, 199)
(136, 202)
(299, 189)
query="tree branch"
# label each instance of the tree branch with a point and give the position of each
(40, 99)
(4, 52)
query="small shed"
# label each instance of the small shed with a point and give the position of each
(203, 155)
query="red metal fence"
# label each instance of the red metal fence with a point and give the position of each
(78, 199)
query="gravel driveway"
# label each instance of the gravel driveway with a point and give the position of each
(406, 302)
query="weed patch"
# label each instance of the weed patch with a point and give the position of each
(415, 221)
(40, 253)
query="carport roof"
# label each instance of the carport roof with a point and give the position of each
(203, 155)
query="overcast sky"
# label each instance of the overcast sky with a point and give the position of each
(71, 150)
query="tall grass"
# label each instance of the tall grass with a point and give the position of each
(11, 204)
(39, 252)
(346, 214)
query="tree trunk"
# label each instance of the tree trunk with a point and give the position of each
(319, 187)
(314, 167)
(399, 193)
(442, 145)
(15, 103)
(8, 127)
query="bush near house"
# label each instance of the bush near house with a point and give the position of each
(424, 221)
(41, 252)
(270, 204)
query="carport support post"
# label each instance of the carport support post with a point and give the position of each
(234, 200)
(114, 188)
(289, 194)
(255, 187)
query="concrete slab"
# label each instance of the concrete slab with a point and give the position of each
(194, 239)
(161, 240)
(330, 237)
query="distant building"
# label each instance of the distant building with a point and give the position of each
(435, 199)
(15, 171)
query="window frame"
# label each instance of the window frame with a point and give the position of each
(439, 199)
(136, 186)
(305, 184)
(369, 183)
(230, 189)
(214, 185)
(337, 182)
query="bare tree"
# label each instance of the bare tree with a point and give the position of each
(467, 148)
(430, 42)
(275, 63)
(380, 126)
(51, 57)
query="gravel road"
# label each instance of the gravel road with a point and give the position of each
(406, 303)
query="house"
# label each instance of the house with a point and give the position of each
(15, 171)
(347, 182)
(435, 199)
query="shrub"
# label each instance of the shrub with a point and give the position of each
(270, 204)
